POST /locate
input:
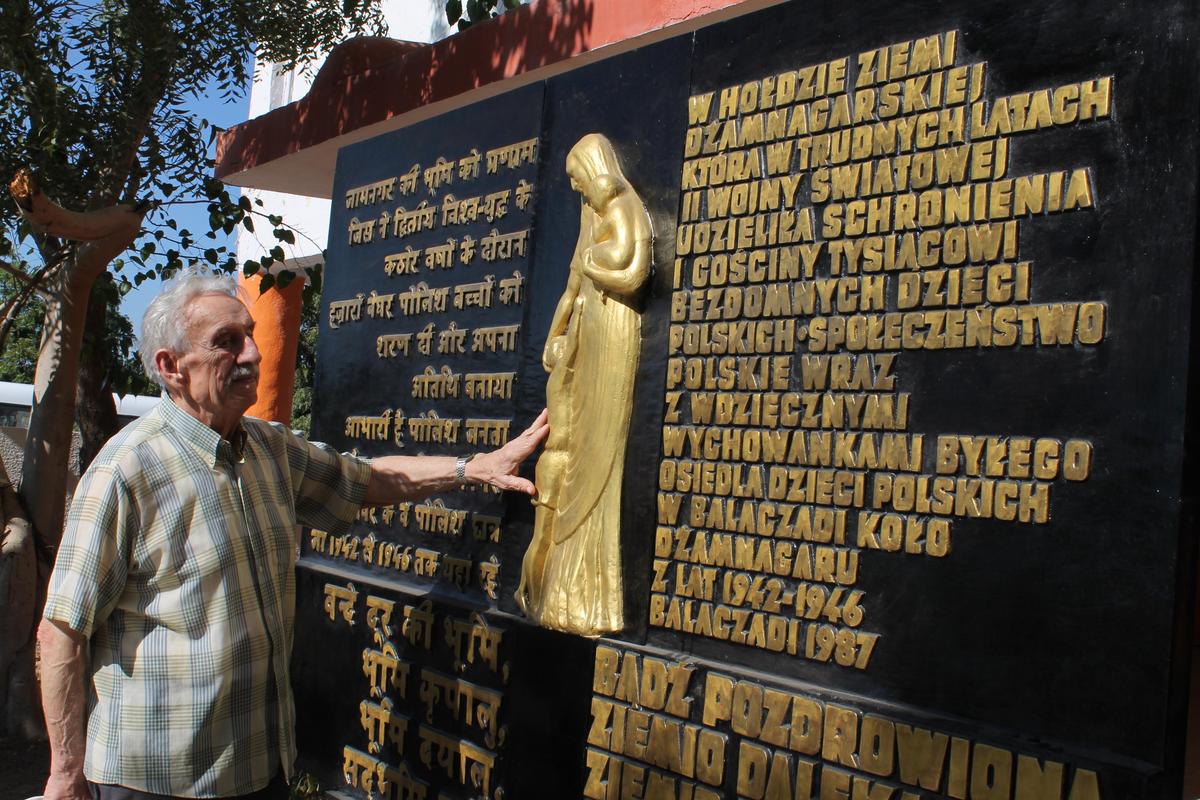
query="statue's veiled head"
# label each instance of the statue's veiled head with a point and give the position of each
(594, 171)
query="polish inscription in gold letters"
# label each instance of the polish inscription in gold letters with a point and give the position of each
(787, 448)
(665, 729)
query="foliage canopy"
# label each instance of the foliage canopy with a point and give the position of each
(97, 104)
(473, 11)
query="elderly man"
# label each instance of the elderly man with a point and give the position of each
(172, 600)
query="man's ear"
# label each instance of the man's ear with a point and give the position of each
(167, 364)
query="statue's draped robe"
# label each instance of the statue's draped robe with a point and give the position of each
(581, 582)
(571, 575)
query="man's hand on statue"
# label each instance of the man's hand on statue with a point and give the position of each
(499, 467)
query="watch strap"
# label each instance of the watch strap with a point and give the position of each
(460, 467)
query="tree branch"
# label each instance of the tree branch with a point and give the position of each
(12, 307)
(24, 59)
(16, 273)
(81, 226)
(93, 257)
(157, 47)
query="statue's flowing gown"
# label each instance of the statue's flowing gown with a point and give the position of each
(581, 582)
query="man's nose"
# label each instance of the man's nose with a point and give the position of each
(250, 353)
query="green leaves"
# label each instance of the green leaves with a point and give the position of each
(476, 11)
(99, 100)
(296, 33)
(213, 188)
(18, 358)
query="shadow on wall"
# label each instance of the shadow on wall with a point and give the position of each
(367, 80)
(520, 41)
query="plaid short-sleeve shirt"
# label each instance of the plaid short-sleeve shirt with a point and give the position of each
(177, 563)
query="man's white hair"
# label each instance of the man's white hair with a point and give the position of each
(165, 324)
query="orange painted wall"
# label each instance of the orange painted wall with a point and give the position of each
(276, 316)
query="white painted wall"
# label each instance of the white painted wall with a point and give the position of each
(409, 20)
(417, 20)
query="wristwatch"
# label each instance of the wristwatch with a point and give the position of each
(460, 467)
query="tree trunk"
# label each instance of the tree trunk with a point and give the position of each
(95, 411)
(43, 489)
(103, 235)
(20, 710)
(51, 422)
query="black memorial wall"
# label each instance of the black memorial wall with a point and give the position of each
(906, 506)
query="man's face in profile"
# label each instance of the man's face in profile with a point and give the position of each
(220, 369)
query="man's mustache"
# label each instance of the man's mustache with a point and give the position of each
(241, 372)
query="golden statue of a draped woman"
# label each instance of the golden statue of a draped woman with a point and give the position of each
(571, 573)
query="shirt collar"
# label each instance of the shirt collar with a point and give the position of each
(203, 439)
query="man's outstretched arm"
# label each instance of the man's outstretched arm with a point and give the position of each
(400, 478)
(64, 700)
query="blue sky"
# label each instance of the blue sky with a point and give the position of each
(192, 216)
